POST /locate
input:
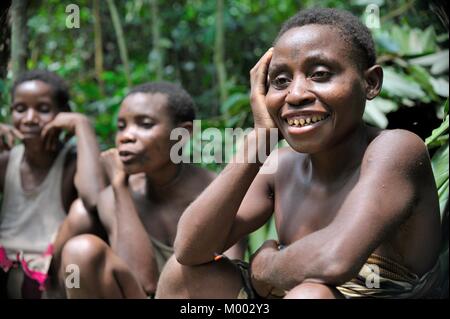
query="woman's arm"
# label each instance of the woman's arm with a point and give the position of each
(128, 236)
(395, 173)
(221, 215)
(88, 178)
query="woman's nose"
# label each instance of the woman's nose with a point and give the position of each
(299, 94)
(127, 136)
(31, 117)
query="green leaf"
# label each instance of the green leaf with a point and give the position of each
(400, 85)
(440, 86)
(413, 41)
(423, 77)
(439, 163)
(443, 196)
(376, 110)
(256, 239)
(438, 131)
(438, 61)
(235, 103)
(266, 232)
(272, 229)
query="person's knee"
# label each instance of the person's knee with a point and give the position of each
(170, 281)
(212, 280)
(79, 219)
(85, 251)
(313, 291)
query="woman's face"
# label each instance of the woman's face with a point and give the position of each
(316, 92)
(143, 137)
(33, 107)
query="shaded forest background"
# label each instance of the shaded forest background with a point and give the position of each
(210, 46)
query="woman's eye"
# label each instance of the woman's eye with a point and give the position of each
(120, 125)
(321, 75)
(280, 82)
(147, 124)
(19, 108)
(44, 108)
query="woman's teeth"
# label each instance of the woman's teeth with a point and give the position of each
(304, 121)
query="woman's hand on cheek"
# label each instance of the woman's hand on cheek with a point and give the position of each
(113, 167)
(64, 121)
(258, 81)
(7, 136)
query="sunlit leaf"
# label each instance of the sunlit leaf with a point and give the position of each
(440, 86)
(397, 84)
(442, 129)
(376, 110)
(438, 61)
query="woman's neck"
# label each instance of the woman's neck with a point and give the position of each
(340, 161)
(36, 156)
(163, 182)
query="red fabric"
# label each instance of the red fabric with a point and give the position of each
(37, 276)
(5, 263)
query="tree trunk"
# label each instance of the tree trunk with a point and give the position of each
(98, 47)
(219, 51)
(157, 53)
(5, 42)
(120, 39)
(18, 37)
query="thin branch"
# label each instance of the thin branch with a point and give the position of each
(120, 39)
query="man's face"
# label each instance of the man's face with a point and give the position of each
(316, 91)
(143, 137)
(32, 108)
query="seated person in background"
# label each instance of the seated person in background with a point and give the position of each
(350, 201)
(148, 193)
(40, 178)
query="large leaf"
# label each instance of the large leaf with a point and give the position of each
(443, 195)
(266, 232)
(406, 41)
(424, 79)
(400, 85)
(376, 110)
(439, 163)
(438, 61)
(440, 86)
(438, 132)
(256, 239)
(235, 103)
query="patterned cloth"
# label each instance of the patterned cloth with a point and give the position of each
(381, 277)
(26, 278)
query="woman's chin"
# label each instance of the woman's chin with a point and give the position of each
(304, 147)
(131, 169)
(32, 139)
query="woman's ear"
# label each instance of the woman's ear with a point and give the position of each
(374, 81)
(183, 135)
(187, 125)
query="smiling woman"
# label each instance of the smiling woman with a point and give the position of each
(317, 91)
(345, 195)
(33, 108)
